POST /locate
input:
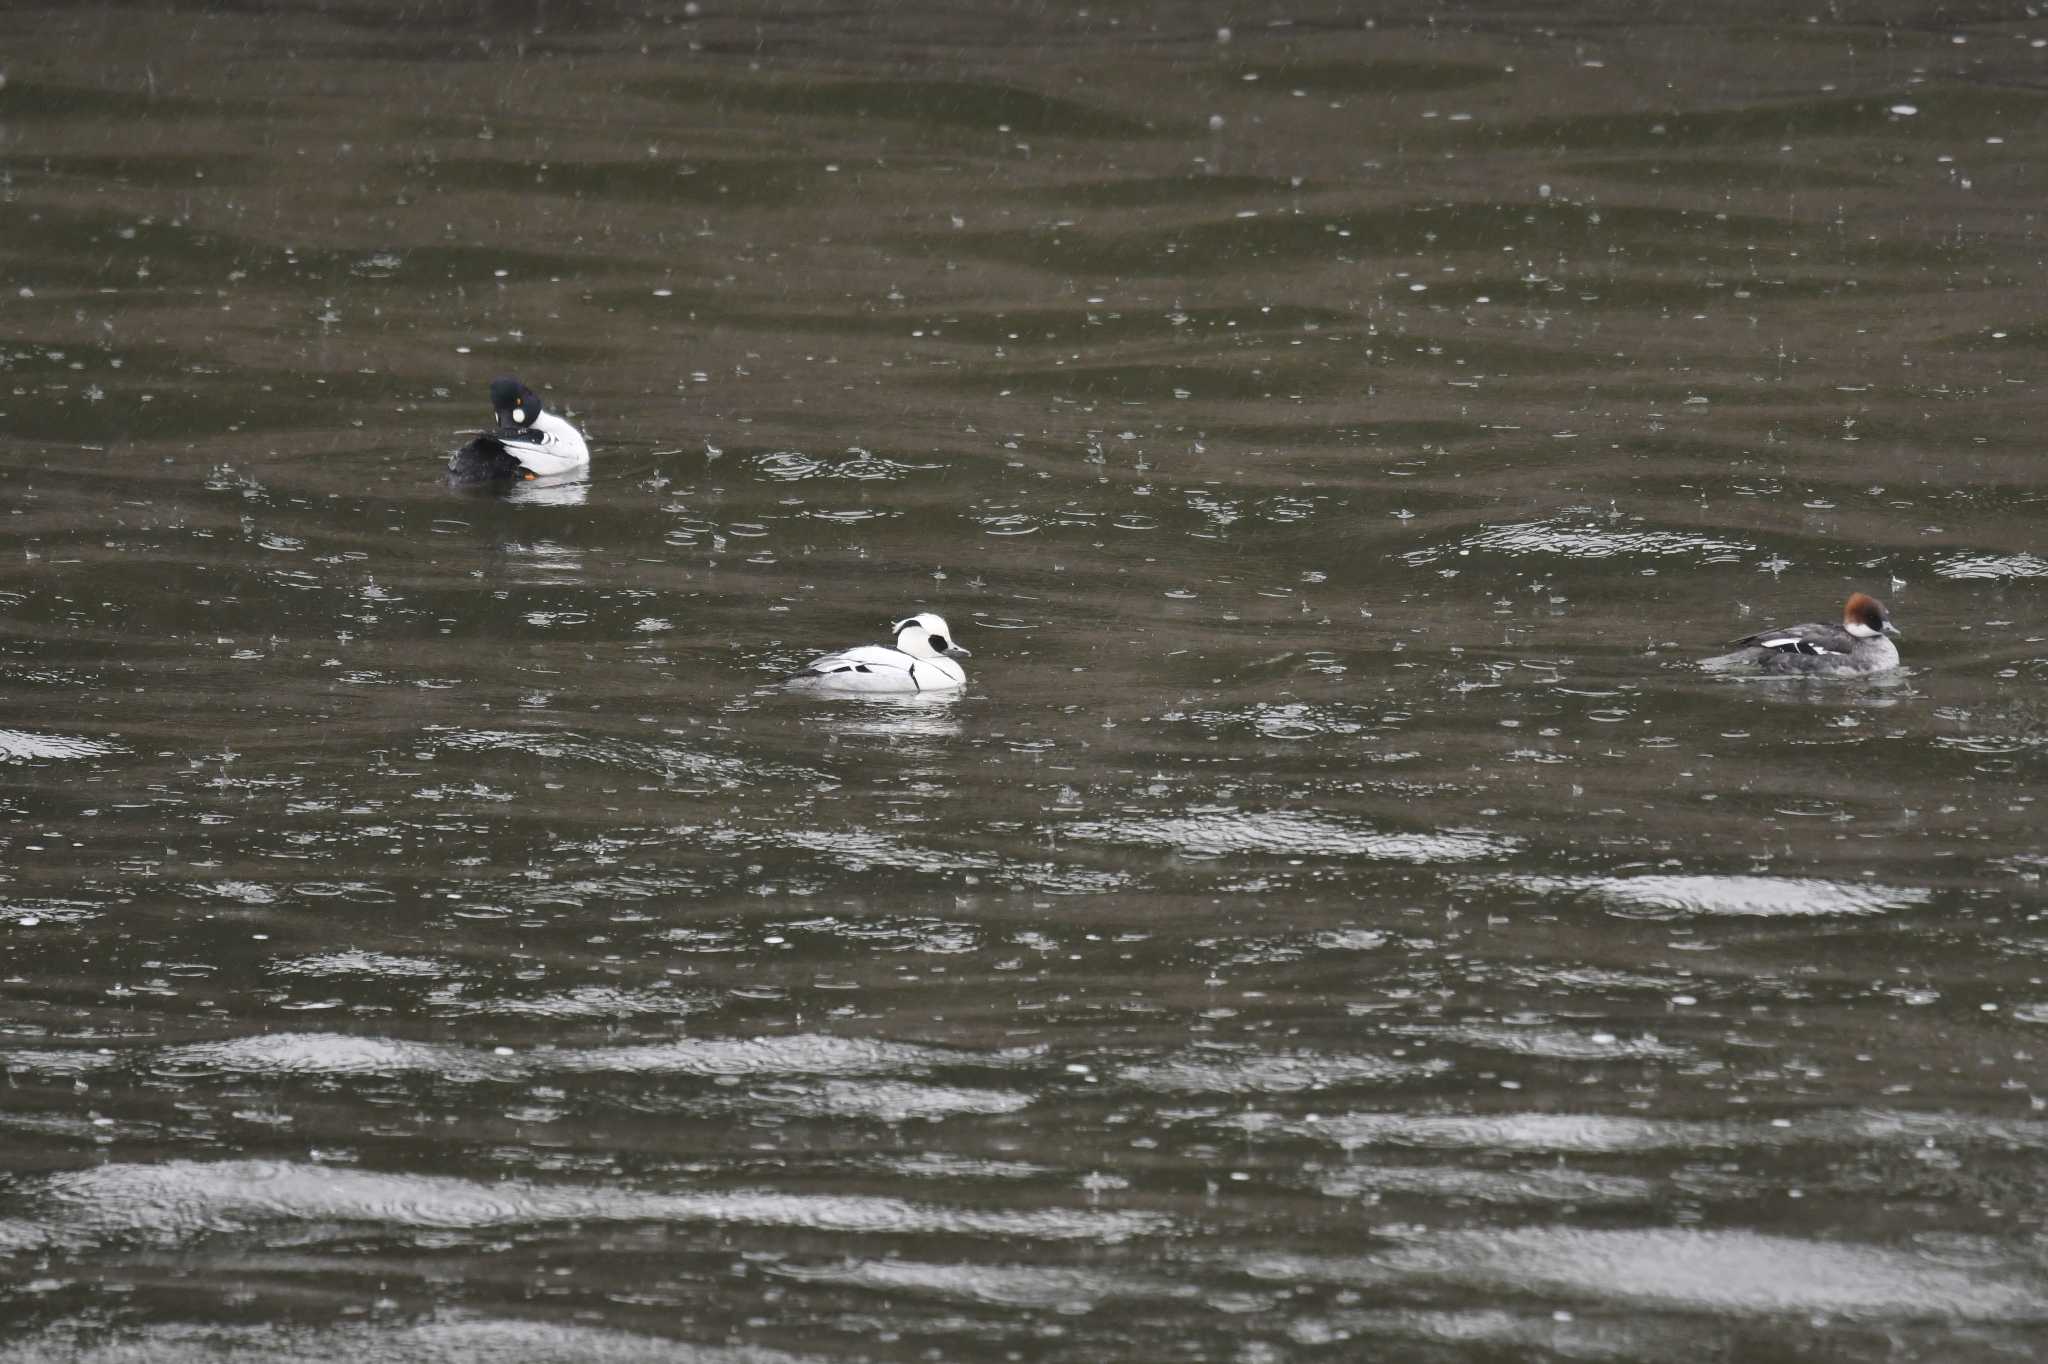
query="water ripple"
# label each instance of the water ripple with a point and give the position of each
(808, 1054)
(1223, 833)
(18, 746)
(29, 912)
(1763, 896)
(863, 850)
(1729, 1271)
(793, 466)
(240, 892)
(896, 1102)
(180, 1201)
(1992, 566)
(1990, 744)
(357, 962)
(1554, 1044)
(1005, 521)
(1545, 1185)
(54, 1061)
(321, 1053)
(1580, 1133)
(411, 1342)
(1611, 1134)
(1583, 540)
(1269, 1073)
(1001, 1285)
(587, 1001)
(330, 1053)
(668, 760)
(1275, 720)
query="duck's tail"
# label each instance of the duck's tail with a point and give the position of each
(484, 460)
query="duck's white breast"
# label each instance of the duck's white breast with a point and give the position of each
(558, 448)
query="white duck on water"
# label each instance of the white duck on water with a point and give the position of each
(920, 660)
(529, 441)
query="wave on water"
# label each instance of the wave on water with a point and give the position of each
(1760, 896)
(1579, 540)
(332, 1054)
(179, 1201)
(1992, 566)
(455, 1338)
(1289, 833)
(20, 746)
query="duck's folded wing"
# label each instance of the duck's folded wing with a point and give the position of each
(868, 658)
(539, 452)
(1800, 639)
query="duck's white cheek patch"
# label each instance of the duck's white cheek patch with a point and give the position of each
(519, 415)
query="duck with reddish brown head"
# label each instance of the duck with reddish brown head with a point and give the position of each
(1856, 647)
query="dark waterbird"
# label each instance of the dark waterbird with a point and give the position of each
(528, 442)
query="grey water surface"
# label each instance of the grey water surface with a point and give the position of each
(1337, 921)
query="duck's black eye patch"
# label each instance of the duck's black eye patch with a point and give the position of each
(941, 643)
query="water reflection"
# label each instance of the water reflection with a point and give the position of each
(556, 490)
(918, 719)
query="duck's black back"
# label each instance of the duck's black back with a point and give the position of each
(483, 460)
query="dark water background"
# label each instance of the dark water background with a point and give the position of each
(1336, 922)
